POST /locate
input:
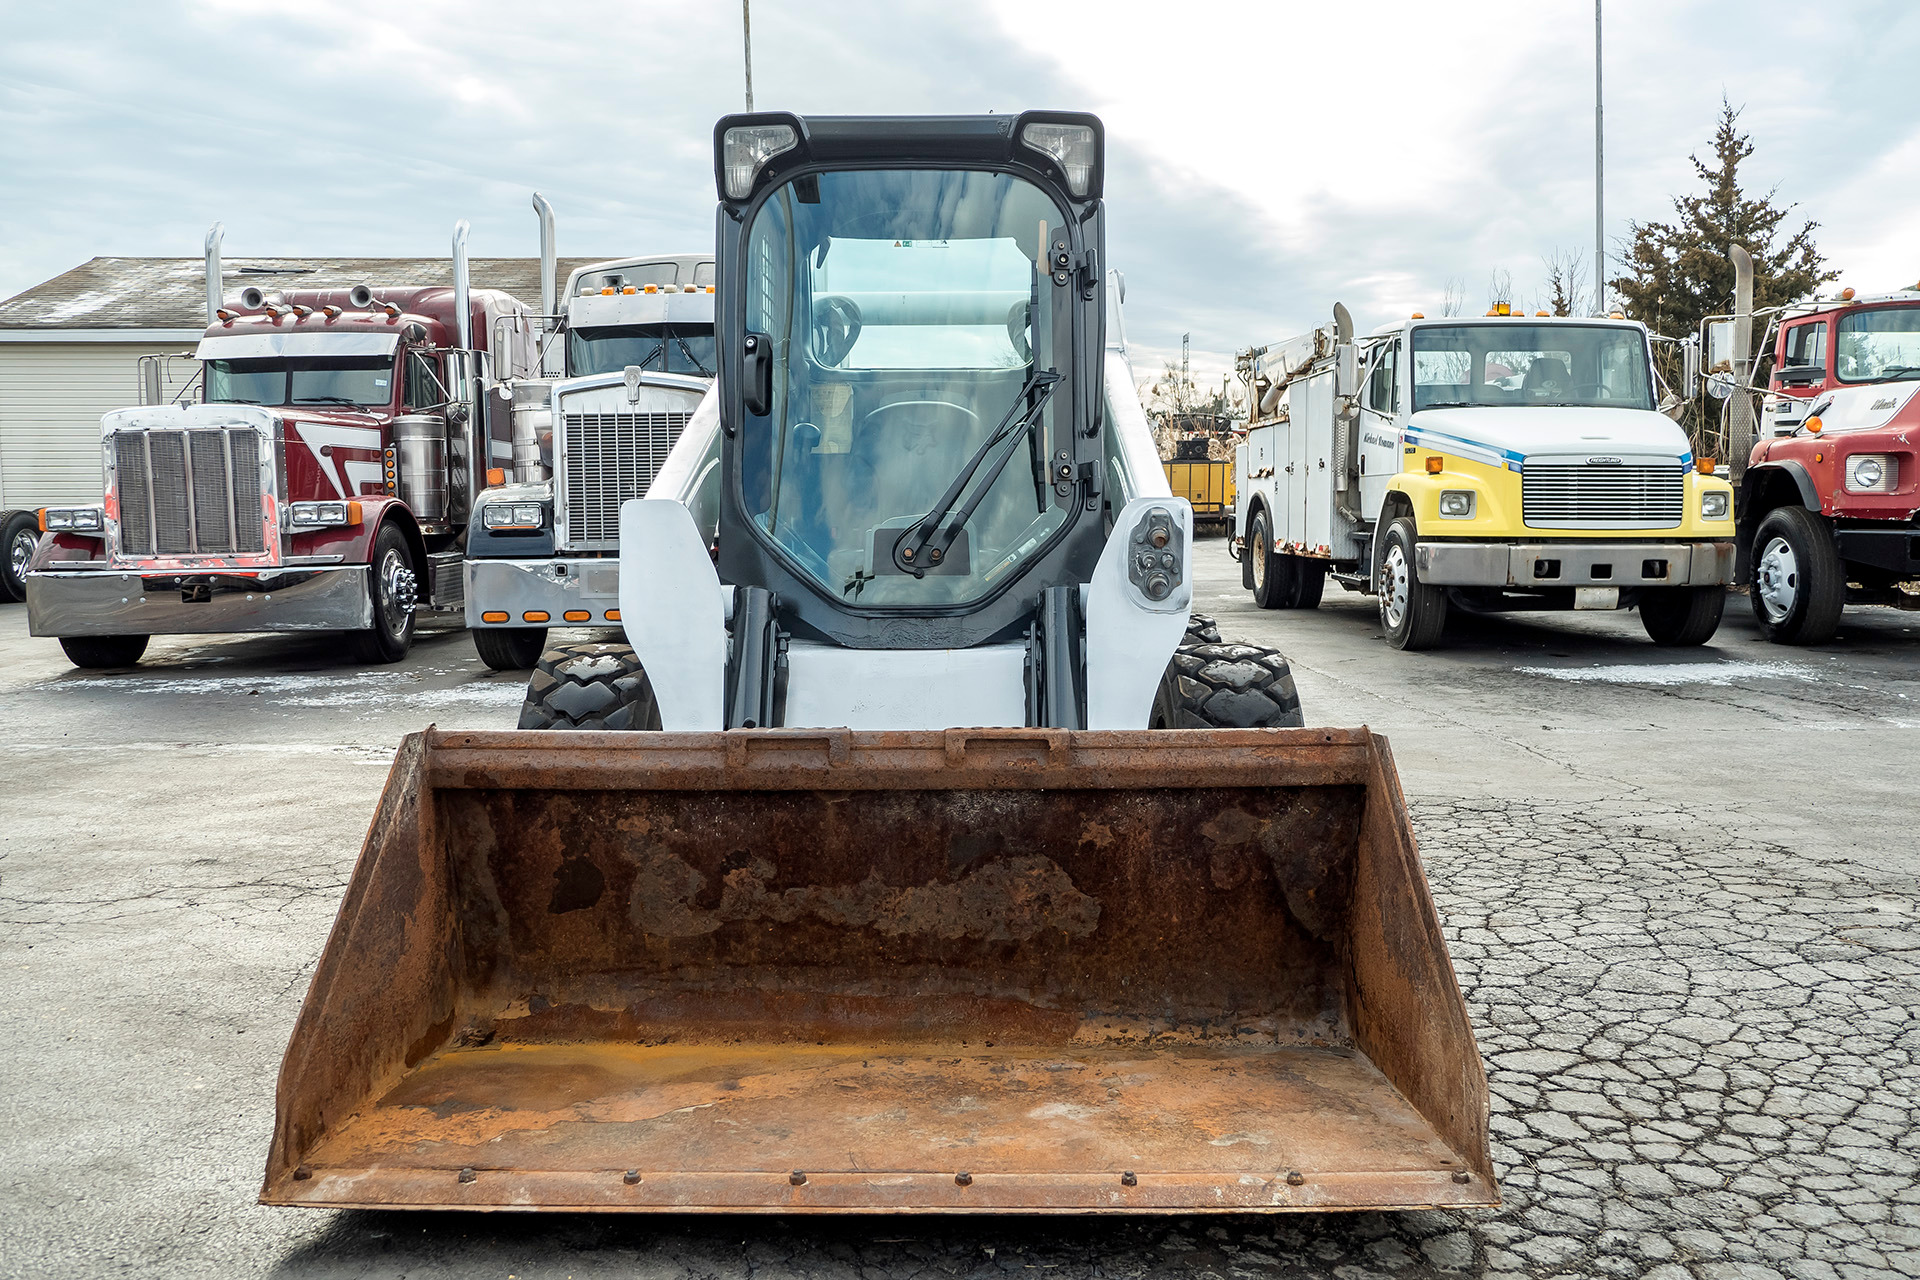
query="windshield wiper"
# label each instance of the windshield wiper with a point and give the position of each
(682, 343)
(1896, 373)
(916, 550)
(1452, 404)
(325, 400)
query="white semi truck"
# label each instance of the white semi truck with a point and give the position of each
(1499, 463)
(632, 347)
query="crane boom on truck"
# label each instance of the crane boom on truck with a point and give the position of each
(1501, 463)
(323, 483)
(636, 354)
(821, 946)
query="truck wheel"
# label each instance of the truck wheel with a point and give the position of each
(19, 535)
(1211, 684)
(1799, 584)
(1412, 613)
(1681, 616)
(99, 652)
(589, 686)
(1271, 574)
(510, 648)
(396, 594)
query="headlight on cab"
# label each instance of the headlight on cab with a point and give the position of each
(1872, 473)
(1456, 504)
(322, 515)
(1716, 504)
(502, 517)
(74, 519)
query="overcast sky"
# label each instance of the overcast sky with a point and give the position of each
(1265, 160)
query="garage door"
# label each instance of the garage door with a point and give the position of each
(51, 397)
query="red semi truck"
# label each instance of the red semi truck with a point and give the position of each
(1830, 502)
(324, 481)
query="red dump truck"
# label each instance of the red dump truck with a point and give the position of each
(323, 481)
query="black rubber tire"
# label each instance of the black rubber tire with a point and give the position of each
(589, 686)
(99, 653)
(510, 648)
(1309, 582)
(391, 582)
(1272, 574)
(1678, 617)
(1423, 609)
(1215, 684)
(19, 527)
(1818, 583)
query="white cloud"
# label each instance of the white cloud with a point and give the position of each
(1265, 159)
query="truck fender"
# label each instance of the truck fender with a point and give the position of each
(1762, 489)
(354, 543)
(1761, 477)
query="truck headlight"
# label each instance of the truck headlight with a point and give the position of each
(77, 519)
(1871, 473)
(1715, 504)
(513, 515)
(1456, 504)
(321, 515)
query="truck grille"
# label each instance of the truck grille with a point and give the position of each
(189, 492)
(1602, 497)
(609, 458)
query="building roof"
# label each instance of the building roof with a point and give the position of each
(170, 293)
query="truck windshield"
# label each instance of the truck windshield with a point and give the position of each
(366, 380)
(1879, 345)
(685, 348)
(905, 316)
(1472, 365)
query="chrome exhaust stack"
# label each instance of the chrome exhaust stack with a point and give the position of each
(215, 299)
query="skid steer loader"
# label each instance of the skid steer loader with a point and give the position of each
(900, 901)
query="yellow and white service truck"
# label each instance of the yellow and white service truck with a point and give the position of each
(1498, 463)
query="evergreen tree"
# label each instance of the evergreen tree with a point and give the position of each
(1679, 272)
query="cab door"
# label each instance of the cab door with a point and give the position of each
(1381, 401)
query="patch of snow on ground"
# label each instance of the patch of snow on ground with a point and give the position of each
(1672, 673)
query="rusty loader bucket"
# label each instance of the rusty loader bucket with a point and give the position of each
(979, 970)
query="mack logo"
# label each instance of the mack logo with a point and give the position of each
(1603, 462)
(1878, 405)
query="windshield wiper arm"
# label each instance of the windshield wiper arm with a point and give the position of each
(682, 344)
(915, 551)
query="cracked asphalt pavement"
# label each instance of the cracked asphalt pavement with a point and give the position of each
(1682, 891)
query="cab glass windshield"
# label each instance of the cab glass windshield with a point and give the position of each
(910, 331)
(1475, 365)
(1879, 345)
(667, 348)
(315, 380)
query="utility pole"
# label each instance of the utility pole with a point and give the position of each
(746, 44)
(1599, 178)
(1185, 400)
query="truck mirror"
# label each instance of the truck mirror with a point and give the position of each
(1720, 386)
(1718, 343)
(1346, 378)
(1690, 370)
(500, 343)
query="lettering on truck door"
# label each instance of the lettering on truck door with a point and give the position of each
(1380, 406)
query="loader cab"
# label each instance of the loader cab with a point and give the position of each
(911, 325)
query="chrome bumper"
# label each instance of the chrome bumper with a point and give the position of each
(111, 603)
(1575, 564)
(556, 588)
